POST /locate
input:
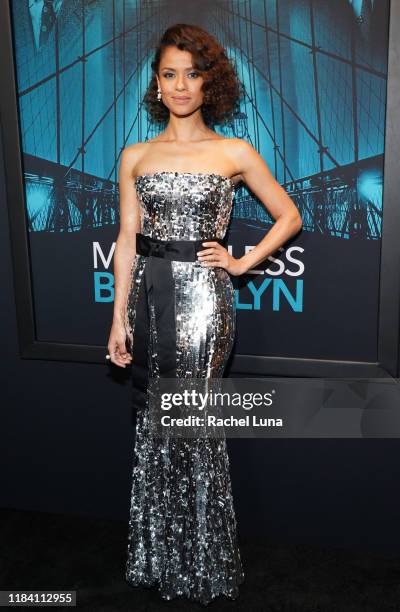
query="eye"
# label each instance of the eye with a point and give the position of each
(167, 74)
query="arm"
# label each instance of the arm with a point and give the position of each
(253, 170)
(124, 254)
(256, 174)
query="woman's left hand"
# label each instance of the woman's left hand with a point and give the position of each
(214, 254)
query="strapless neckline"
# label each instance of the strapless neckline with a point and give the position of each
(174, 172)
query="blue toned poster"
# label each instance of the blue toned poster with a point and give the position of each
(315, 79)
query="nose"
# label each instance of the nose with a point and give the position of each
(180, 83)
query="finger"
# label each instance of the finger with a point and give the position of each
(116, 357)
(213, 245)
(122, 352)
(206, 252)
(212, 257)
(211, 263)
(121, 349)
(122, 359)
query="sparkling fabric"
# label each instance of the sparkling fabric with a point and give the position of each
(182, 528)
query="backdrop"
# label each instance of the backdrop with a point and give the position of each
(315, 79)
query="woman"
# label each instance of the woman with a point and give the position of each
(174, 310)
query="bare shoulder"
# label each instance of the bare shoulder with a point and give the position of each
(238, 149)
(241, 153)
(244, 154)
(130, 157)
(134, 150)
(238, 146)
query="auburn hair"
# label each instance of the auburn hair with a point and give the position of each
(222, 88)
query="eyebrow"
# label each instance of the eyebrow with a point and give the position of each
(169, 68)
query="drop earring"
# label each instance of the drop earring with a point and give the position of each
(159, 94)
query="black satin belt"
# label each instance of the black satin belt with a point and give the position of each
(157, 278)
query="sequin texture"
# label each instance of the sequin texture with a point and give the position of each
(182, 528)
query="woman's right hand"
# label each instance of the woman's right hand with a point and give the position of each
(117, 345)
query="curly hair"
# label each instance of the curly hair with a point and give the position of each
(222, 88)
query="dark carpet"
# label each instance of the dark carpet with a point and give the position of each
(42, 551)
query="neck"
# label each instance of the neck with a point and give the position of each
(186, 129)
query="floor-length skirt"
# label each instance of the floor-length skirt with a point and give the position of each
(182, 526)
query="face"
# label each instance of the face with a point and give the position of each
(179, 82)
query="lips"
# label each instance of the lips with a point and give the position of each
(177, 98)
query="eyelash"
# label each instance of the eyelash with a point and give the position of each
(196, 73)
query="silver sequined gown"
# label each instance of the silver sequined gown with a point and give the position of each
(182, 527)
